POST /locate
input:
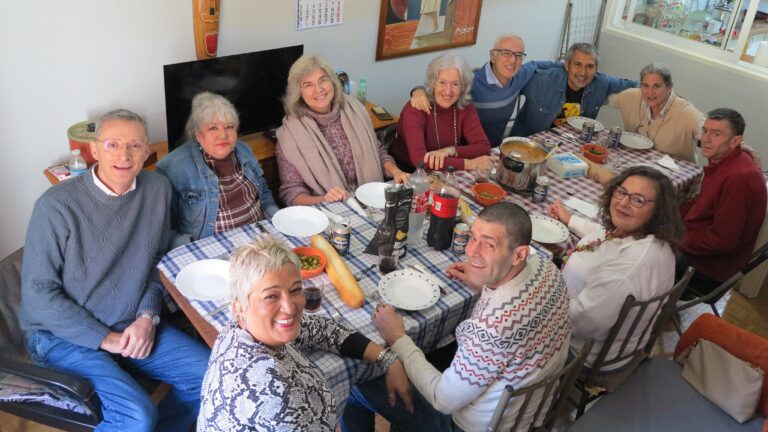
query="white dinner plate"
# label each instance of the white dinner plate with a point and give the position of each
(300, 221)
(372, 194)
(636, 141)
(409, 290)
(578, 122)
(548, 230)
(204, 280)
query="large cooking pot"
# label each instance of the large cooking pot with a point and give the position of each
(520, 162)
(80, 136)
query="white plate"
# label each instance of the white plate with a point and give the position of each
(636, 141)
(372, 194)
(204, 280)
(578, 122)
(409, 290)
(300, 221)
(548, 230)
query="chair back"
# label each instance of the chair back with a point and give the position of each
(551, 395)
(638, 325)
(11, 336)
(752, 281)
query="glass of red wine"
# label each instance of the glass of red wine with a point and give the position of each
(314, 296)
(388, 257)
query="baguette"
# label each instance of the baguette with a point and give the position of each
(339, 274)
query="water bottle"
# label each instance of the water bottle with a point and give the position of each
(442, 216)
(77, 164)
(420, 184)
(362, 90)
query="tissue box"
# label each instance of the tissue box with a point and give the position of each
(566, 165)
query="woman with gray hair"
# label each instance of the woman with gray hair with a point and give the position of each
(257, 379)
(669, 120)
(326, 146)
(213, 159)
(452, 134)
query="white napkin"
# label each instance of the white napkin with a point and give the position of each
(352, 202)
(668, 162)
(581, 206)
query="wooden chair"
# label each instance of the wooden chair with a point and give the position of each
(550, 394)
(606, 374)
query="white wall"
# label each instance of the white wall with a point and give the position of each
(65, 62)
(707, 84)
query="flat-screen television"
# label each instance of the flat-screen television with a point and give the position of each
(253, 82)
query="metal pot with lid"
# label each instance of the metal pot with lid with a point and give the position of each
(521, 161)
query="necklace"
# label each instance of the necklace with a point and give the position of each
(437, 133)
(589, 247)
(661, 118)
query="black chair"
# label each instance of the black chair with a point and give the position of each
(551, 395)
(606, 374)
(711, 298)
(15, 363)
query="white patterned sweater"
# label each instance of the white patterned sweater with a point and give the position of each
(252, 387)
(517, 334)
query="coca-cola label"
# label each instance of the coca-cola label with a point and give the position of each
(445, 206)
(420, 202)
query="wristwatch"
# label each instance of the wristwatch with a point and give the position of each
(155, 318)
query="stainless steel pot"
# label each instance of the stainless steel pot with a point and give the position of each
(520, 162)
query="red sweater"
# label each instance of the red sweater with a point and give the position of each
(416, 136)
(723, 221)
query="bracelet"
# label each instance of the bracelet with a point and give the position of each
(385, 358)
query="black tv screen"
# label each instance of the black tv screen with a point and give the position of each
(253, 82)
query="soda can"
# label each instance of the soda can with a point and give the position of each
(614, 137)
(587, 131)
(541, 189)
(460, 239)
(340, 236)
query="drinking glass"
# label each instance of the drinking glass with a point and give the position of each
(314, 296)
(388, 258)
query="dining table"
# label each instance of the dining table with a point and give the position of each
(430, 328)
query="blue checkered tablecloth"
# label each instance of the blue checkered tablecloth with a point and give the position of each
(430, 328)
(584, 187)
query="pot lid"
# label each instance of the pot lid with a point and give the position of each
(84, 131)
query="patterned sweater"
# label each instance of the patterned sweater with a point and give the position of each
(517, 334)
(250, 386)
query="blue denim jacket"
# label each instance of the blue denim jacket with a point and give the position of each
(545, 96)
(195, 198)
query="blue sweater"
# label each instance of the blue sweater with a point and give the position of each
(89, 258)
(495, 103)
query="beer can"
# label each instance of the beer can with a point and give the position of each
(587, 131)
(460, 239)
(340, 236)
(541, 189)
(614, 137)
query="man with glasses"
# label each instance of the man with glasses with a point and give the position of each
(575, 89)
(722, 222)
(91, 294)
(496, 85)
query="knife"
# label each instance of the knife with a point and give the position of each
(419, 268)
(357, 206)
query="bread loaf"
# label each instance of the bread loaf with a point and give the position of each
(339, 274)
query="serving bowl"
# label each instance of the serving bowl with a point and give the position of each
(309, 251)
(594, 152)
(483, 190)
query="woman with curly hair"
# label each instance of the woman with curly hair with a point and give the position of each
(632, 253)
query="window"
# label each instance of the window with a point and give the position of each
(731, 30)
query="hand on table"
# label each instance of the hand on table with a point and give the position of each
(420, 101)
(400, 177)
(480, 163)
(388, 322)
(336, 194)
(398, 385)
(560, 212)
(458, 271)
(436, 158)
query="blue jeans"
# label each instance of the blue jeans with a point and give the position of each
(370, 397)
(176, 359)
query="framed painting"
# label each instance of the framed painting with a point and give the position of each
(408, 27)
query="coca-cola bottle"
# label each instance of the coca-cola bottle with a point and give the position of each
(420, 184)
(442, 217)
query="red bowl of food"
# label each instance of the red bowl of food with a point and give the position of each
(488, 193)
(312, 259)
(595, 153)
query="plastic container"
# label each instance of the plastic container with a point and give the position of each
(362, 90)
(420, 184)
(77, 164)
(566, 165)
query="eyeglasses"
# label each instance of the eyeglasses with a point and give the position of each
(509, 54)
(635, 199)
(455, 85)
(324, 81)
(113, 146)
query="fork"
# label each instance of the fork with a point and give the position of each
(419, 268)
